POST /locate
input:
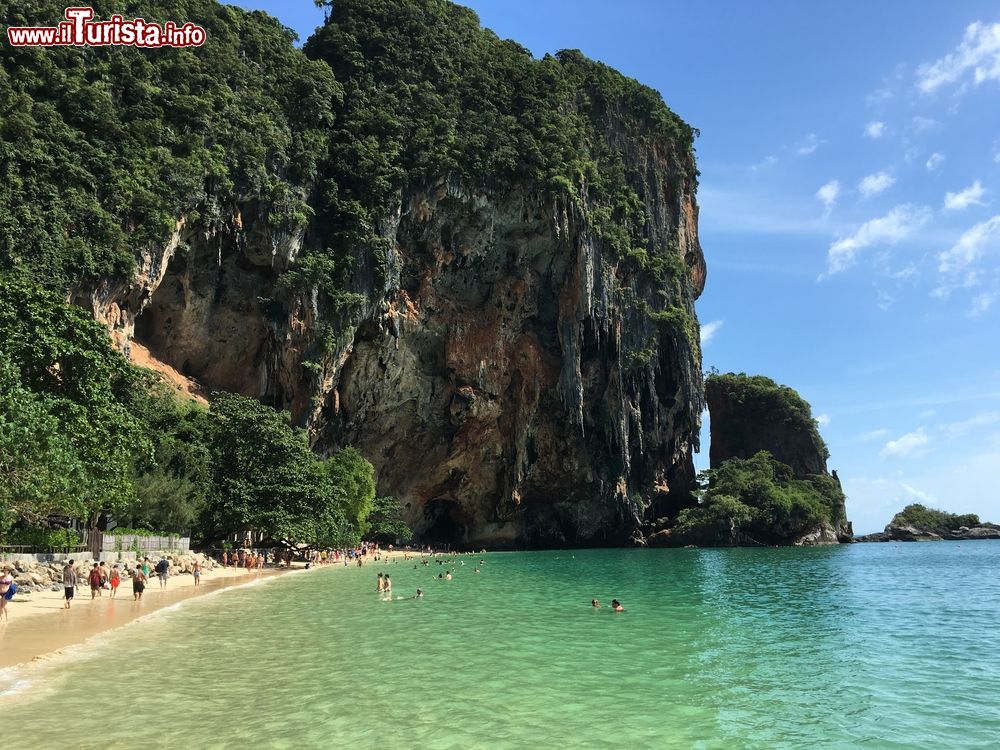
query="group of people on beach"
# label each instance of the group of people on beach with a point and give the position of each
(250, 560)
(103, 577)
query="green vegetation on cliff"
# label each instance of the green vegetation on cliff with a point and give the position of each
(760, 399)
(83, 434)
(937, 521)
(429, 93)
(759, 501)
(105, 149)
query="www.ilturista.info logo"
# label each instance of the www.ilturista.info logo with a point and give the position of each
(79, 30)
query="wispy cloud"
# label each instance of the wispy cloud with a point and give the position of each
(823, 420)
(957, 429)
(809, 144)
(920, 124)
(828, 195)
(972, 195)
(875, 434)
(875, 129)
(934, 161)
(906, 445)
(981, 303)
(978, 54)
(917, 494)
(895, 226)
(970, 246)
(876, 183)
(709, 330)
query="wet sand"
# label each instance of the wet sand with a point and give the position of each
(43, 627)
(39, 627)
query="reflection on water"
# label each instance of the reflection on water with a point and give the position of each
(861, 646)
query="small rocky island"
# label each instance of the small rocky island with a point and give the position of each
(768, 484)
(917, 523)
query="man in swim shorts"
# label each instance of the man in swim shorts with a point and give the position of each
(69, 583)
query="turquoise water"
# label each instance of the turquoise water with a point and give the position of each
(876, 646)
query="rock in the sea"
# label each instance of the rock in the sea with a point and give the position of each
(910, 534)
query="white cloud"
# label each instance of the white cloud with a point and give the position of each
(875, 434)
(928, 413)
(709, 330)
(970, 246)
(957, 429)
(905, 445)
(810, 144)
(934, 161)
(972, 195)
(981, 303)
(876, 183)
(978, 53)
(895, 226)
(823, 420)
(925, 497)
(884, 300)
(828, 194)
(875, 129)
(921, 124)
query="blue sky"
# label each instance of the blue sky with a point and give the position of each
(850, 213)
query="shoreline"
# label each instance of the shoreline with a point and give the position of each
(40, 628)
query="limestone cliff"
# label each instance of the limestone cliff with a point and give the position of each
(750, 414)
(514, 347)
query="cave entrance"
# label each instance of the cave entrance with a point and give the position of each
(441, 525)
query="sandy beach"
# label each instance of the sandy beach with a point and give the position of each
(40, 627)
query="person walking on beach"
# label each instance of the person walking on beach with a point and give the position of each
(7, 589)
(145, 567)
(225, 559)
(138, 582)
(69, 583)
(95, 581)
(197, 573)
(116, 579)
(161, 571)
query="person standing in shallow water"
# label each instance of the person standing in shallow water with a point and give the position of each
(379, 584)
(95, 581)
(197, 573)
(138, 582)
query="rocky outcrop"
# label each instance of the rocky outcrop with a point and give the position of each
(750, 414)
(898, 533)
(506, 375)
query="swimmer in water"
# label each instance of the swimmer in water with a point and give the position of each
(419, 594)
(595, 604)
(447, 575)
(617, 606)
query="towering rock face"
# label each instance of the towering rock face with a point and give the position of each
(750, 414)
(498, 389)
(753, 414)
(476, 266)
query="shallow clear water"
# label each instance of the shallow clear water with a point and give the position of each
(876, 645)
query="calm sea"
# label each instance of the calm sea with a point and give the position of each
(873, 646)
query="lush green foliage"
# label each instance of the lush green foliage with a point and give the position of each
(761, 398)
(429, 93)
(937, 521)
(68, 436)
(266, 479)
(385, 522)
(758, 500)
(102, 150)
(83, 433)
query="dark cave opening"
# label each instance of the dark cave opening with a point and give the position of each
(441, 527)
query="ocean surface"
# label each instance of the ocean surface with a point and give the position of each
(869, 645)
